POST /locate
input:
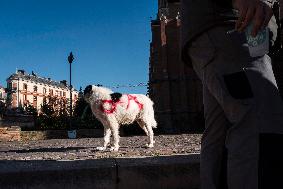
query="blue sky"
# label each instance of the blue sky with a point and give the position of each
(109, 39)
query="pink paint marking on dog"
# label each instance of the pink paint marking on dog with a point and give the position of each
(131, 97)
(114, 104)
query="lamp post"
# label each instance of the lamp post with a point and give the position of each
(71, 132)
(18, 90)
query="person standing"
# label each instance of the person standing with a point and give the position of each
(226, 42)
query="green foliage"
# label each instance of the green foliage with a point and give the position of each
(54, 115)
(44, 122)
(30, 110)
(9, 99)
(84, 116)
(47, 109)
(80, 107)
(3, 109)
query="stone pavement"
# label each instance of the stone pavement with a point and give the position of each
(85, 148)
(75, 164)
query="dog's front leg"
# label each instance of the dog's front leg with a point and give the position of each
(150, 135)
(107, 135)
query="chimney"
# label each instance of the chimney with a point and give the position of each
(21, 72)
(33, 74)
(64, 82)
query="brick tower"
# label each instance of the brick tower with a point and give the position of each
(173, 86)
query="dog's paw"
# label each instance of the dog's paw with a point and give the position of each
(114, 149)
(100, 148)
(149, 145)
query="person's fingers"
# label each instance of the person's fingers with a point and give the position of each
(258, 19)
(248, 18)
(242, 16)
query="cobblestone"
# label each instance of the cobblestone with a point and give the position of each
(85, 148)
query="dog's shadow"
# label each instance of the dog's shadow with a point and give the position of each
(122, 149)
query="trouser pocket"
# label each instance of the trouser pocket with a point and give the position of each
(238, 85)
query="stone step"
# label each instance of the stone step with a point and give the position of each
(180, 171)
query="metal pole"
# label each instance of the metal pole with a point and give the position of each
(18, 92)
(70, 60)
(71, 104)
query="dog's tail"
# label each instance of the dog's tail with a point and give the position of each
(150, 115)
(153, 123)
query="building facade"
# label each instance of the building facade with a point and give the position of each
(173, 86)
(25, 89)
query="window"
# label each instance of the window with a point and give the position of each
(25, 86)
(35, 88)
(34, 98)
(9, 86)
(1, 95)
(51, 92)
(64, 93)
(44, 90)
(60, 93)
(14, 86)
(25, 97)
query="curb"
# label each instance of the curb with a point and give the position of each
(180, 171)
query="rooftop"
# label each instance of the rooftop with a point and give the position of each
(22, 74)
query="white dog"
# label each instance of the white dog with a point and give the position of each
(115, 109)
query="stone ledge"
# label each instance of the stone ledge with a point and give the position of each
(181, 171)
(12, 133)
(59, 134)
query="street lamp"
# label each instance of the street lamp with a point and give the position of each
(18, 90)
(72, 132)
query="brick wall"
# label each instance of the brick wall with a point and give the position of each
(23, 121)
(61, 134)
(12, 133)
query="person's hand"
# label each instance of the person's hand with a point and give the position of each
(252, 10)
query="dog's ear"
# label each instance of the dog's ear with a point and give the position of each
(88, 89)
(115, 97)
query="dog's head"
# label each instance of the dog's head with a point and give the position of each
(89, 90)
